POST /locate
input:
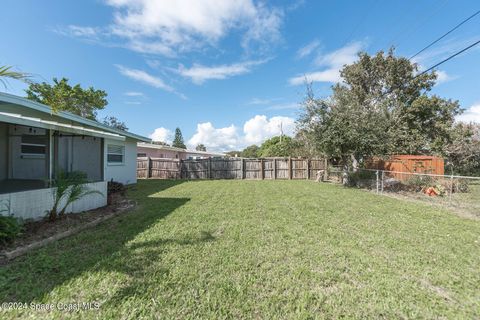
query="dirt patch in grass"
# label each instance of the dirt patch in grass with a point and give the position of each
(35, 231)
(468, 212)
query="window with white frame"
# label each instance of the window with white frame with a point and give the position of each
(115, 154)
(33, 146)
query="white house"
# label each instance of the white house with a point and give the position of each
(162, 151)
(35, 144)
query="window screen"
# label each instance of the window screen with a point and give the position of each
(33, 145)
(115, 154)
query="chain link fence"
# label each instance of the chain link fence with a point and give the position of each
(460, 193)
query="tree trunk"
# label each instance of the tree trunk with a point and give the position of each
(354, 163)
(345, 171)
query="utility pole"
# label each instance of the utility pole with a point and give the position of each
(281, 131)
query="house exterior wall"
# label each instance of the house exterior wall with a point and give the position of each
(34, 204)
(172, 154)
(126, 172)
(158, 153)
(3, 150)
(81, 154)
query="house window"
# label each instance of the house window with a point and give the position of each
(33, 146)
(141, 155)
(115, 154)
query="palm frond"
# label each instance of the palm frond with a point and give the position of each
(6, 72)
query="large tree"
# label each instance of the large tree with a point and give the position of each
(61, 96)
(463, 153)
(201, 147)
(113, 122)
(251, 151)
(178, 139)
(279, 146)
(381, 107)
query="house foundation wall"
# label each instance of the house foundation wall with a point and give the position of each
(35, 204)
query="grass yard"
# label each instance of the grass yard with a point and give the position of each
(258, 249)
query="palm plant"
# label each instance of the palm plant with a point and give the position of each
(69, 187)
(6, 72)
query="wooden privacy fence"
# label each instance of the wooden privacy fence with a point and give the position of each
(230, 168)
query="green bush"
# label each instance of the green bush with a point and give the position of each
(418, 183)
(10, 228)
(358, 178)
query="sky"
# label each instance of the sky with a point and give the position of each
(229, 73)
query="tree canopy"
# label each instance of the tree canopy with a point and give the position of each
(61, 96)
(178, 139)
(279, 146)
(464, 151)
(113, 122)
(251, 151)
(380, 108)
(201, 147)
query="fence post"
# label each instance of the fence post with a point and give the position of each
(262, 172)
(181, 169)
(243, 168)
(274, 168)
(209, 168)
(378, 180)
(325, 176)
(290, 169)
(383, 180)
(451, 189)
(308, 169)
(149, 167)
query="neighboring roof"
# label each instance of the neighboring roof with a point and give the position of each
(16, 100)
(169, 148)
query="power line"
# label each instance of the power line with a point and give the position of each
(450, 57)
(445, 34)
(436, 65)
(411, 28)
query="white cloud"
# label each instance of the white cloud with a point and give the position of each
(161, 134)
(284, 106)
(332, 64)
(330, 75)
(260, 101)
(340, 57)
(443, 76)
(443, 50)
(133, 94)
(79, 31)
(259, 128)
(165, 27)
(199, 73)
(308, 49)
(83, 32)
(472, 114)
(255, 131)
(146, 78)
(215, 139)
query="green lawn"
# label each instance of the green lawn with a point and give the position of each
(258, 249)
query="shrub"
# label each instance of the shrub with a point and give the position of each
(115, 187)
(361, 178)
(10, 228)
(418, 183)
(69, 187)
